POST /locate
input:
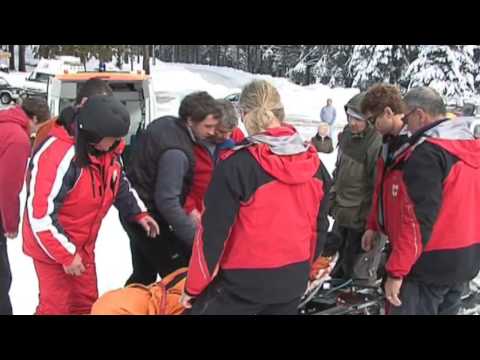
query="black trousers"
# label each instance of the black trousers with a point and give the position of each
(348, 242)
(153, 256)
(217, 300)
(5, 276)
(423, 299)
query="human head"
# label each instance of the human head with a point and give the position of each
(227, 123)
(323, 129)
(201, 113)
(261, 106)
(468, 110)
(329, 102)
(384, 107)
(356, 119)
(424, 106)
(37, 111)
(102, 122)
(93, 87)
(90, 88)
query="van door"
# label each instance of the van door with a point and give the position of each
(150, 102)
(54, 92)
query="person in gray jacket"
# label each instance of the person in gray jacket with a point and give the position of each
(328, 113)
(161, 169)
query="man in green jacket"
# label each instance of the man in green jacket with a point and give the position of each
(352, 191)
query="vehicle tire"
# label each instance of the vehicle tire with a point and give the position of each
(5, 98)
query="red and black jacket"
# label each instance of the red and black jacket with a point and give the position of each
(265, 220)
(430, 198)
(205, 163)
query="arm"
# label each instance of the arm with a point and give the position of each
(12, 175)
(172, 167)
(222, 203)
(424, 173)
(372, 220)
(128, 202)
(322, 218)
(52, 177)
(370, 175)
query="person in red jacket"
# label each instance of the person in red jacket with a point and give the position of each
(73, 179)
(16, 125)
(435, 247)
(265, 218)
(207, 154)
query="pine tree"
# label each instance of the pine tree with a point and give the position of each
(447, 68)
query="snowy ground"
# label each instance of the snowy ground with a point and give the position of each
(171, 83)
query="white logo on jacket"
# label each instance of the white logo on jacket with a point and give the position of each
(395, 188)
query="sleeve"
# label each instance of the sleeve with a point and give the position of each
(322, 218)
(372, 220)
(51, 180)
(172, 168)
(370, 172)
(222, 203)
(12, 175)
(423, 175)
(127, 201)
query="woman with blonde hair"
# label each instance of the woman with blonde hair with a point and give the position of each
(265, 218)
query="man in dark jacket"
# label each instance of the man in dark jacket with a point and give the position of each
(161, 170)
(353, 186)
(16, 125)
(321, 141)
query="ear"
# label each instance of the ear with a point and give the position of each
(189, 122)
(35, 120)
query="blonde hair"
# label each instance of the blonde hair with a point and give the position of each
(262, 105)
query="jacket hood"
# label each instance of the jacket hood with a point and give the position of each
(15, 116)
(283, 154)
(456, 137)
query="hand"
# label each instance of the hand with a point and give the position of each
(185, 300)
(76, 268)
(196, 217)
(150, 226)
(11, 235)
(368, 240)
(392, 290)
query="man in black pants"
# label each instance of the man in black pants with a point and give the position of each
(161, 170)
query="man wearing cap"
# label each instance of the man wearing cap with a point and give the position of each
(352, 190)
(73, 179)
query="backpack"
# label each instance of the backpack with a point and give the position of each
(161, 298)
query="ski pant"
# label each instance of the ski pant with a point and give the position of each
(217, 300)
(152, 256)
(5, 276)
(63, 294)
(349, 245)
(424, 299)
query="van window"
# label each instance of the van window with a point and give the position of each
(40, 77)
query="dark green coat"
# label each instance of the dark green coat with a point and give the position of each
(354, 177)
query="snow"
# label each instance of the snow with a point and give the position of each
(171, 83)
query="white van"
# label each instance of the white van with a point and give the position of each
(134, 90)
(37, 81)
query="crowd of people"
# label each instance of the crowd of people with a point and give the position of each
(248, 214)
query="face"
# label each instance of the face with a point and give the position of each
(323, 130)
(329, 102)
(415, 119)
(356, 125)
(205, 129)
(106, 143)
(384, 122)
(222, 134)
